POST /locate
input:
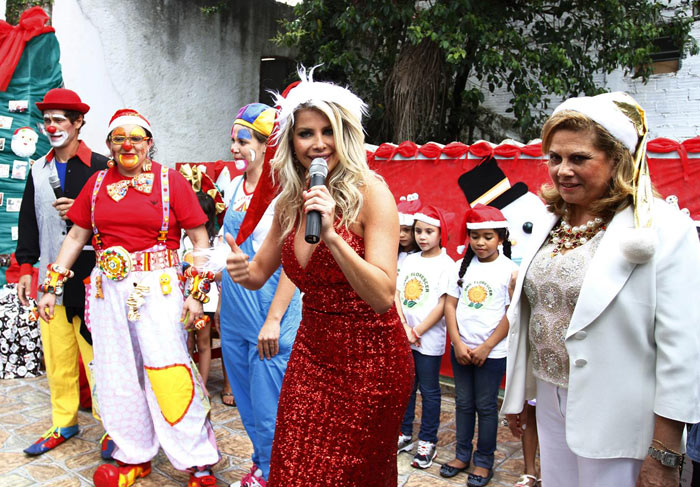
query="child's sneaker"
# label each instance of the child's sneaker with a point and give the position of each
(425, 455)
(252, 479)
(405, 443)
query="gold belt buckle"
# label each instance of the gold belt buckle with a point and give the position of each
(115, 262)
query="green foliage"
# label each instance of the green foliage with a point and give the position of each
(533, 50)
(216, 8)
(14, 8)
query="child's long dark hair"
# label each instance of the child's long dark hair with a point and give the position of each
(502, 234)
(209, 208)
(414, 245)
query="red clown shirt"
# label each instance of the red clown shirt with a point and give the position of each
(134, 221)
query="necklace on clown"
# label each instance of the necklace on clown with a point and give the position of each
(565, 237)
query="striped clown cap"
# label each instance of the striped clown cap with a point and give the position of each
(432, 215)
(256, 116)
(128, 116)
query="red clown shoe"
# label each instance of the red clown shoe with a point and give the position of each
(123, 475)
(203, 481)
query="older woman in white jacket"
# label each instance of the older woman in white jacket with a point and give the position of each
(605, 318)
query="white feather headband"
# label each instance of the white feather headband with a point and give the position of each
(310, 92)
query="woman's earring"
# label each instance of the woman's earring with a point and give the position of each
(110, 163)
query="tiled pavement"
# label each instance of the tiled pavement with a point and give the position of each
(25, 414)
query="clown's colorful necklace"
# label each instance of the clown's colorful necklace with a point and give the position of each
(564, 236)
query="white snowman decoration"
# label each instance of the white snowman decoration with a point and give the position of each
(488, 185)
(24, 142)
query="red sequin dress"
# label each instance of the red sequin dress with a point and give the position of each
(347, 383)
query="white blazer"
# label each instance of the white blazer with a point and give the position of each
(633, 340)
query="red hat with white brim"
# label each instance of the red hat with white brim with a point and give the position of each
(432, 215)
(407, 207)
(127, 116)
(482, 216)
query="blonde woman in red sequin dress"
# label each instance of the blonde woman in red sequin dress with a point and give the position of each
(350, 373)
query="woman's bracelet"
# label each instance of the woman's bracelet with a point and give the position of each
(200, 283)
(415, 333)
(55, 277)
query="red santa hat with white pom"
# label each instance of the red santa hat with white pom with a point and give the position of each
(128, 116)
(432, 215)
(407, 206)
(482, 216)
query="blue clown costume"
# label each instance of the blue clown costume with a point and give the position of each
(255, 383)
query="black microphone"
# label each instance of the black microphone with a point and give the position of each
(318, 172)
(55, 184)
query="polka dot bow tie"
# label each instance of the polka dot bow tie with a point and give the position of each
(143, 183)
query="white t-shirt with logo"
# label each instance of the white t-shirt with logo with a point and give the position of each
(482, 300)
(421, 283)
(399, 262)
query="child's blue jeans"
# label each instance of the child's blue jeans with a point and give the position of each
(428, 379)
(477, 393)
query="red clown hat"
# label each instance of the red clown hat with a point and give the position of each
(63, 99)
(432, 215)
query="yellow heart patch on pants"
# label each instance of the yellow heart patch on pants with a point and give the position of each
(174, 389)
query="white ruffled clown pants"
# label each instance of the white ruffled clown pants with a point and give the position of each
(148, 391)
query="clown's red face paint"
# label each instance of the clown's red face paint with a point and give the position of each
(129, 145)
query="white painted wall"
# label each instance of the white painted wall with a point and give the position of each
(671, 101)
(3, 7)
(186, 72)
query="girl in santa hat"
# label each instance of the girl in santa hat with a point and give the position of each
(475, 309)
(407, 243)
(420, 295)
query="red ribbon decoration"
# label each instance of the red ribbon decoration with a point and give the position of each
(13, 39)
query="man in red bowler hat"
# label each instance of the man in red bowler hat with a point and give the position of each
(53, 183)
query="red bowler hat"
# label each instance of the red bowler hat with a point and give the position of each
(63, 99)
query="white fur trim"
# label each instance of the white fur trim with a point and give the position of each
(602, 110)
(421, 217)
(491, 224)
(638, 245)
(311, 92)
(405, 219)
(128, 120)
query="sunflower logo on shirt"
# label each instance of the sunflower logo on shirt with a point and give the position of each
(415, 289)
(477, 294)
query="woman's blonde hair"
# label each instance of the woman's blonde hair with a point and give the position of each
(620, 191)
(347, 180)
